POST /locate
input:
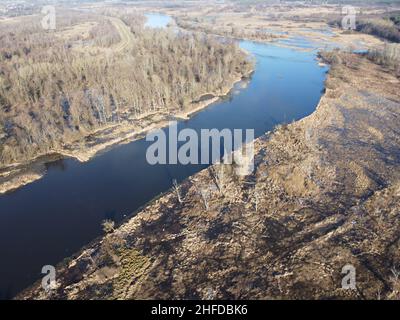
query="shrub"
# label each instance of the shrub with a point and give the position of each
(383, 28)
(331, 57)
(389, 57)
(108, 226)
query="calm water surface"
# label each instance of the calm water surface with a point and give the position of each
(155, 20)
(52, 218)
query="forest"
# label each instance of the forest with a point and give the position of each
(385, 26)
(388, 28)
(97, 69)
(210, 26)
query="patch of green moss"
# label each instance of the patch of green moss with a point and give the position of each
(132, 270)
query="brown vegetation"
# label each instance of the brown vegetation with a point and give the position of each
(383, 28)
(325, 194)
(57, 87)
(230, 30)
(388, 57)
(285, 23)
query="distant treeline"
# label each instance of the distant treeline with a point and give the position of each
(229, 31)
(388, 29)
(385, 27)
(359, 2)
(388, 57)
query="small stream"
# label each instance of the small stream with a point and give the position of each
(52, 218)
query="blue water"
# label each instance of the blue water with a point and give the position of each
(52, 218)
(155, 20)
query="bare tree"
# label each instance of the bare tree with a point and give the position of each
(256, 198)
(218, 175)
(177, 190)
(54, 99)
(204, 193)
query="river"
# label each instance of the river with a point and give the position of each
(52, 218)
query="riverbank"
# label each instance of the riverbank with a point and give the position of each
(87, 147)
(75, 198)
(20, 174)
(325, 193)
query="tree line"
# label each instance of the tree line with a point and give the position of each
(56, 89)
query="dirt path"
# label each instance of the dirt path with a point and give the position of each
(125, 33)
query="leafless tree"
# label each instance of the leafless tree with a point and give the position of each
(218, 175)
(177, 190)
(204, 193)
